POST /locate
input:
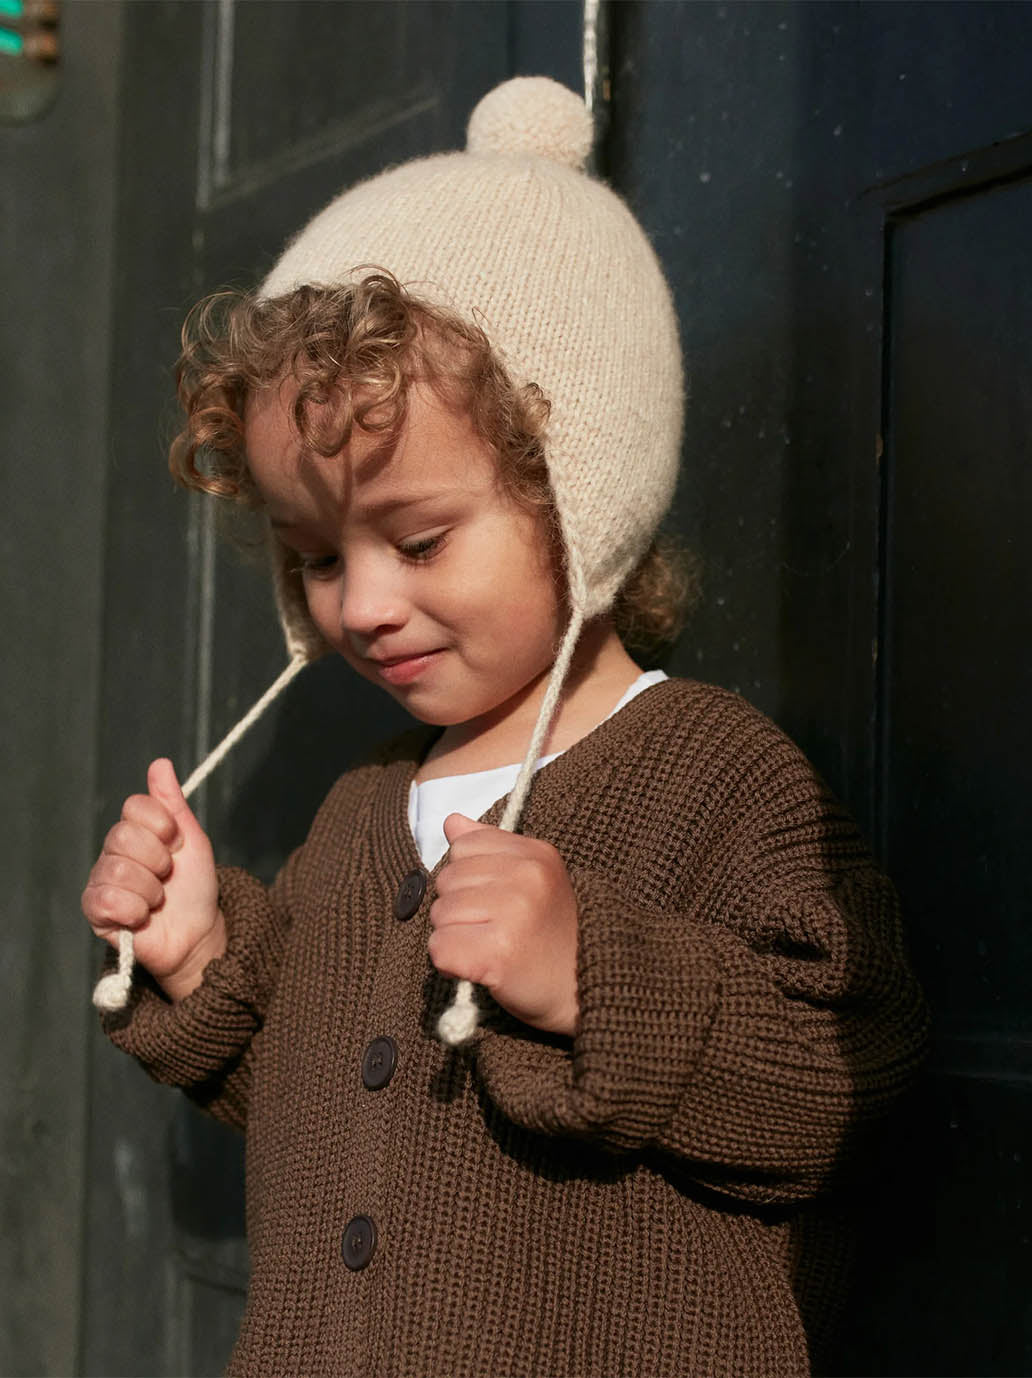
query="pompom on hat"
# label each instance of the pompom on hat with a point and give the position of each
(554, 268)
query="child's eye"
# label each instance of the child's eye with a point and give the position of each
(315, 565)
(421, 550)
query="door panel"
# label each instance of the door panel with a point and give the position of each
(959, 599)
(956, 683)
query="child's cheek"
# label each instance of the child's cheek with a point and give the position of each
(323, 598)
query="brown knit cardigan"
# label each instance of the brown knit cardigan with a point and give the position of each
(649, 1198)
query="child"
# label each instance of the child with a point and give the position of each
(615, 1156)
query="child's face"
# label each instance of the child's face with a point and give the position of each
(417, 566)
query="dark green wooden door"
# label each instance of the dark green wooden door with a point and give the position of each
(840, 194)
(843, 195)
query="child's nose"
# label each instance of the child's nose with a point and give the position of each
(370, 603)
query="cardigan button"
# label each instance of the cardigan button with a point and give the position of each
(378, 1063)
(359, 1242)
(410, 895)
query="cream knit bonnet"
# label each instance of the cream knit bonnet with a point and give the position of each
(562, 280)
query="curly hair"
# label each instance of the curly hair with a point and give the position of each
(354, 351)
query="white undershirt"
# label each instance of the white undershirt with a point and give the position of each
(431, 801)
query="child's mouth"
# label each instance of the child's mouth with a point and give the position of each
(406, 669)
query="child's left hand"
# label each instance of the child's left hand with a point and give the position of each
(505, 918)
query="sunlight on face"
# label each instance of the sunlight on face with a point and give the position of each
(417, 566)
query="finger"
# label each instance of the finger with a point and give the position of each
(467, 954)
(108, 906)
(465, 909)
(495, 885)
(140, 844)
(148, 813)
(510, 882)
(123, 873)
(479, 869)
(108, 931)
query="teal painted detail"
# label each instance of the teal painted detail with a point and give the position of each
(10, 43)
(12, 9)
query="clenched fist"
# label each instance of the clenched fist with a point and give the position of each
(156, 875)
(505, 918)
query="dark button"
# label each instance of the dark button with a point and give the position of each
(378, 1063)
(410, 895)
(359, 1242)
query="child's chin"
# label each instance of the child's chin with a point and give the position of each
(432, 715)
(435, 710)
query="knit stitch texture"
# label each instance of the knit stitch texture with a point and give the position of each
(653, 1197)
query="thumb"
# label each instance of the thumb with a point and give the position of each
(163, 785)
(457, 825)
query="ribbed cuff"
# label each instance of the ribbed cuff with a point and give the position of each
(190, 1041)
(648, 989)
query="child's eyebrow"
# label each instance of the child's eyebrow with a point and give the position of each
(385, 506)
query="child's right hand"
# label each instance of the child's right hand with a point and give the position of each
(156, 875)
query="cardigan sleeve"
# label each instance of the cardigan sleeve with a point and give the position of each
(205, 1043)
(753, 1029)
(202, 1043)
